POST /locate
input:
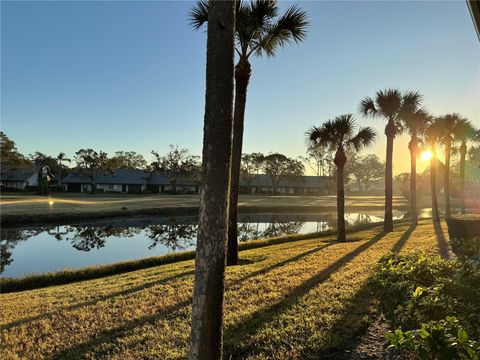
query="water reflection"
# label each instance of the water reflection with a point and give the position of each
(56, 247)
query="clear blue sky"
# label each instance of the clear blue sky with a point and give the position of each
(121, 75)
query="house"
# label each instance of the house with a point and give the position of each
(292, 185)
(159, 183)
(118, 181)
(24, 178)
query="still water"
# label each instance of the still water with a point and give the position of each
(49, 248)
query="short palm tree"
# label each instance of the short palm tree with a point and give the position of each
(61, 157)
(433, 134)
(389, 104)
(259, 31)
(448, 127)
(338, 135)
(464, 131)
(414, 122)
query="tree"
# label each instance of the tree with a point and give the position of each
(415, 121)
(338, 135)
(389, 104)
(9, 155)
(280, 167)
(464, 131)
(209, 283)
(432, 135)
(320, 161)
(251, 166)
(366, 169)
(127, 160)
(447, 126)
(61, 157)
(176, 164)
(94, 163)
(259, 31)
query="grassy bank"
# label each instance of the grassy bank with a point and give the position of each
(36, 281)
(296, 300)
(58, 208)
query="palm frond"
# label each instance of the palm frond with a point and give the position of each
(364, 138)
(289, 28)
(388, 102)
(198, 15)
(367, 107)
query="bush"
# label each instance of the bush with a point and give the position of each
(434, 303)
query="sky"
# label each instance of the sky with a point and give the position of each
(130, 75)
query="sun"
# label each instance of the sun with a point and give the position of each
(426, 155)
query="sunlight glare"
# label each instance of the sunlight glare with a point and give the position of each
(426, 155)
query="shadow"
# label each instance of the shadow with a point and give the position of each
(254, 321)
(442, 242)
(403, 239)
(284, 262)
(79, 350)
(98, 299)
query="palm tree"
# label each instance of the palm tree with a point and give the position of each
(389, 104)
(464, 131)
(415, 123)
(338, 135)
(448, 124)
(209, 283)
(259, 31)
(433, 134)
(61, 157)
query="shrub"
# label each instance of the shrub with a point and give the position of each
(434, 303)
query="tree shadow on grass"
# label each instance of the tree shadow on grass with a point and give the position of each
(442, 242)
(346, 333)
(403, 239)
(252, 323)
(128, 291)
(108, 336)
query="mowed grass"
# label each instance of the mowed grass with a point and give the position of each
(21, 204)
(298, 300)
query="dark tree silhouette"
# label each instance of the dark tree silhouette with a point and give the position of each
(338, 135)
(94, 163)
(433, 134)
(173, 235)
(209, 284)
(259, 31)
(389, 104)
(415, 121)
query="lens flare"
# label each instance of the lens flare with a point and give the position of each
(426, 155)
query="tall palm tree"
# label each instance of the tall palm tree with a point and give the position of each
(464, 131)
(259, 31)
(433, 134)
(448, 124)
(209, 283)
(414, 122)
(61, 157)
(389, 104)
(338, 135)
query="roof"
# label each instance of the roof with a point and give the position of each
(119, 176)
(156, 178)
(293, 181)
(22, 174)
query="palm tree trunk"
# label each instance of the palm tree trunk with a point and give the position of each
(388, 221)
(433, 187)
(446, 180)
(340, 160)
(412, 146)
(463, 153)
(209, 283)
(242, 77)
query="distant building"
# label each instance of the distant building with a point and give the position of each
(24, 178)
(119, 181)
(291, 185)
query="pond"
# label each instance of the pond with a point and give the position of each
(50, 248)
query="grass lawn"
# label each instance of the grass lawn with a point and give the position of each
(298, 300)
(19, 206)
